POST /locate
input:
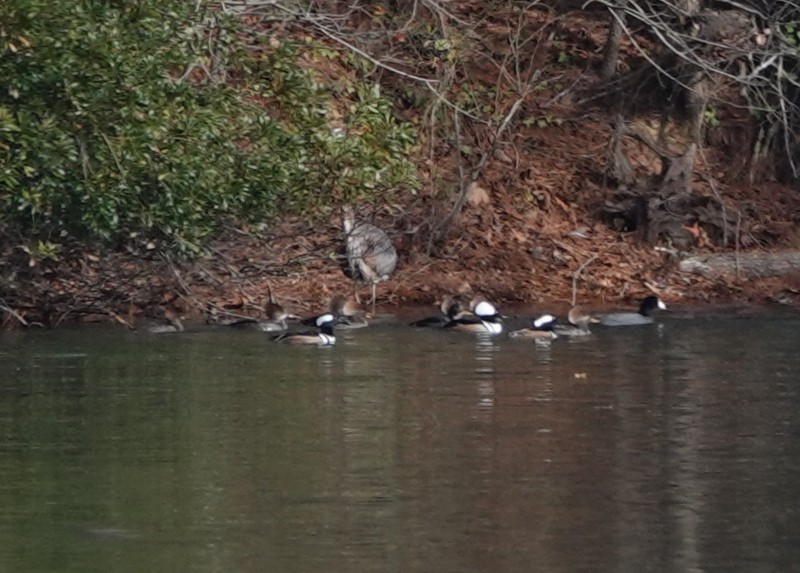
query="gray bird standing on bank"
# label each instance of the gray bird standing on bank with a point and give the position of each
(371, 255)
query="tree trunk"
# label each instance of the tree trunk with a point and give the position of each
(611, 49)
(758, 265)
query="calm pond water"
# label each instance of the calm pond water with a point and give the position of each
(667, 448)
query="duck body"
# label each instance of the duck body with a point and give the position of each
(171, 323)
(541, 330)
(570, 331)
(625, 319)
(323, 337)
(352, 322)
(452, 309)
(218, 317)
(171, 326)
(475, 324)
(579, 321)
(249, 323)
(275, 317)
(271, 325)
(431, 322)
(347, 312)
(484, 318)
(647, 310)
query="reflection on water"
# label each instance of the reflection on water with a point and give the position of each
(667, 448)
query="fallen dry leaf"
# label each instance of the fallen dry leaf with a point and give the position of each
(477, 195)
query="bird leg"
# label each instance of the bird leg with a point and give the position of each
(355, 292)
(374, 288)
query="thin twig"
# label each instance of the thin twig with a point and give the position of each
(577, 273)
(503, 126)
(122, 321)
(12, 312)
(718, 195)
(736, 252)
(309, 19)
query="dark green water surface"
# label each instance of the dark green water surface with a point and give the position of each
(672, 448)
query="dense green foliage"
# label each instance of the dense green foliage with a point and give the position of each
(152, 119)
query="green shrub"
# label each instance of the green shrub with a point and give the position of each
(111, 128)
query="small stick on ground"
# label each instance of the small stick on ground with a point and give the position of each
(13, 313)
(122, 321)
(652, 288)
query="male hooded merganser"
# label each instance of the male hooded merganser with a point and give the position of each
(579, 321)
(647, 309)
(324, 337)
(452, 308)
(484, 318)
(541, 329)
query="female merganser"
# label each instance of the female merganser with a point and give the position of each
(579, 321)
(276, 315)
(172, 323)
(452, 308)
(274, 321)
(347, 312)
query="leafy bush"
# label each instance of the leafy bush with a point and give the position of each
(152, 119)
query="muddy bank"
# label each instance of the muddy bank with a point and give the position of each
(537, 267)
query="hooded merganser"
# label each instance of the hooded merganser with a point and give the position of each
(324, 337)
(172, 323)
(541, 329)
(276, 315)
(274, 321)
(579, 321)
(371, 255)
(220, 316)
(484, 318)
(348, 314)
(647, 310)
(451, 307)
